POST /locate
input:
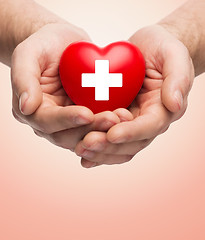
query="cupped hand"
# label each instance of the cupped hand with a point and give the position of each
(162, 100)
(39, 99)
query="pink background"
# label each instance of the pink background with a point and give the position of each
(159, 195)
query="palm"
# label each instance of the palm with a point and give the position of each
(155, 45)
(48, 109)
(50, 51)
(53, 92)
(147, 99)
(161, 100)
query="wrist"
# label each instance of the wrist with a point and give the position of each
(187, 25)
(21, 19)
(32, 22)
(189, 38)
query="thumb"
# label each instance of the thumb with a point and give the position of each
(25, 75)
(178, 73)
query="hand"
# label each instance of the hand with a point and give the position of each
(38, 97)
(162, 100)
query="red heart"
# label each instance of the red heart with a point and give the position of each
(118, 71)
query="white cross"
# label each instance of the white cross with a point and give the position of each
(102, 80)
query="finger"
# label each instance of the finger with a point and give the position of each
(18, 115)
(107, 159)
(146, 126)
(104, 121)
(88, 164)
(178, 77)
(123, 114)
(68, 139)
(25, 75)
(54, 119)
(97, 142)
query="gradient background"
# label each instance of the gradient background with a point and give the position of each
(159, 195)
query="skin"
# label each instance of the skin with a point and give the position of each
(32, 43)
(20, 19)
(55, 118)
(174, 53)
(169, 77)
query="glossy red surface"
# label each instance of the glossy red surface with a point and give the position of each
(123, 58)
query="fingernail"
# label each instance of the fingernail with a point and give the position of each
(80, 121)
(178, 96)
(22, 101)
